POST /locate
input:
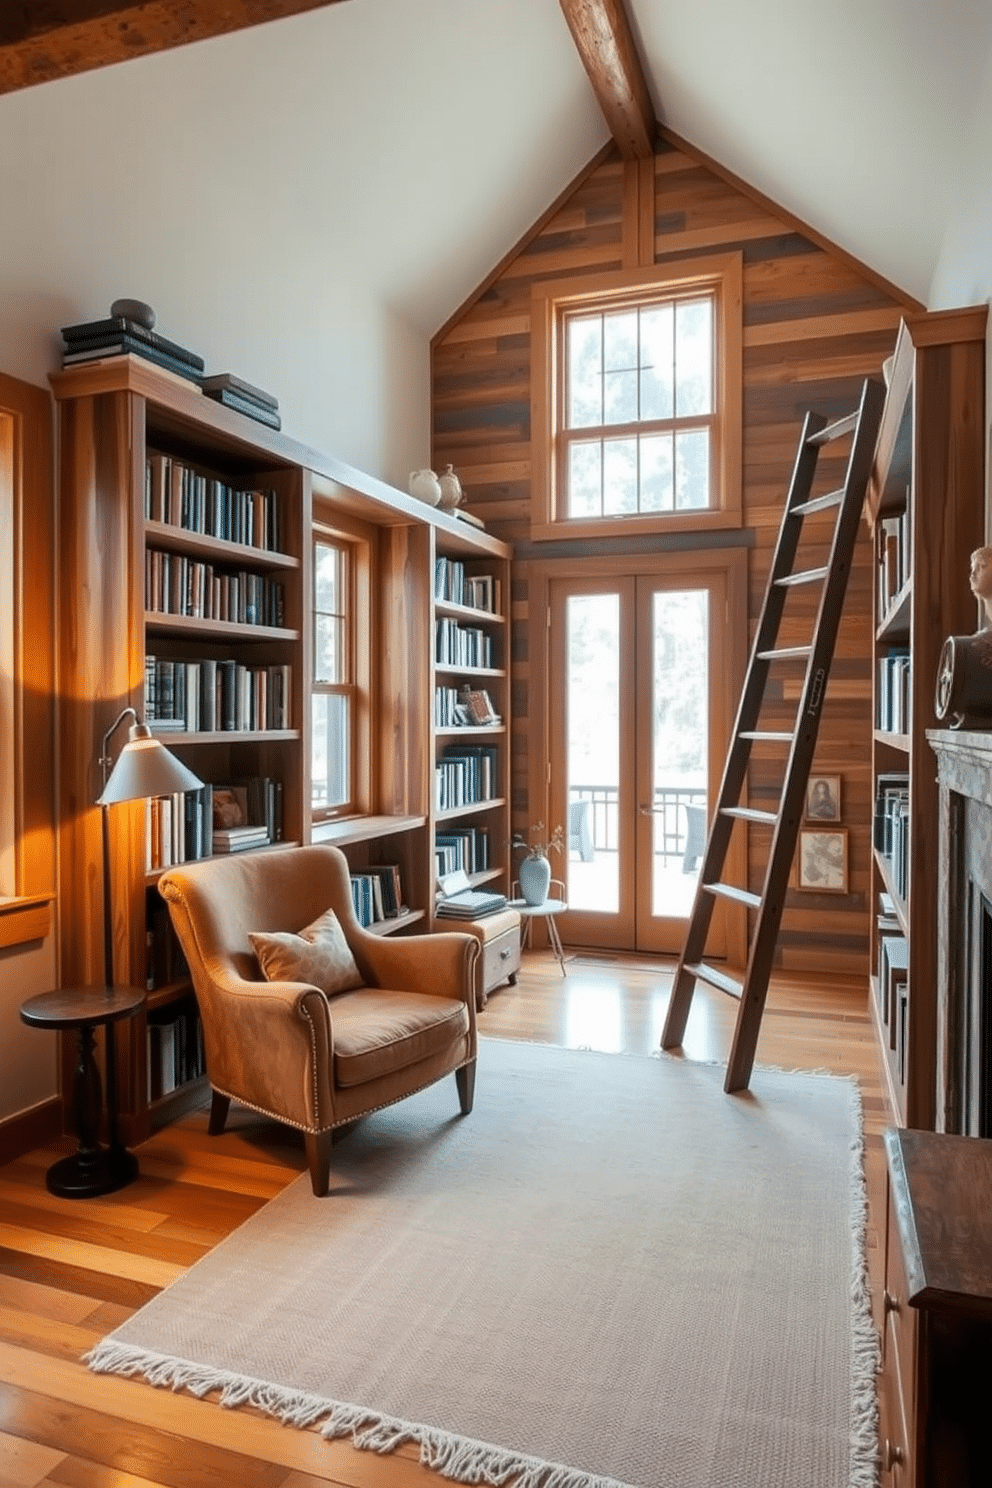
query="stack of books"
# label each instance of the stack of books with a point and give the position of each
(458, 901)
(117, 335)
(239, 839)
(235, 393)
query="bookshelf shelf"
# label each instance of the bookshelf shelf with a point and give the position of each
(179, 540)
(160, 623)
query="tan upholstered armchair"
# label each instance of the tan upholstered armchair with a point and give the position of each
(291, 1051)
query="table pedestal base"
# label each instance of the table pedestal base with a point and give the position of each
(85, 1175)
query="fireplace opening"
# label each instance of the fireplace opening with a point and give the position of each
(978, 1027)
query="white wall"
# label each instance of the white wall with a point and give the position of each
(963, 275)
(165, 179)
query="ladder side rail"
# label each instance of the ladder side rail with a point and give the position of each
(739, 751)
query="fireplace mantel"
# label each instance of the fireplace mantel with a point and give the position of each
(964, 894)
(964, 762)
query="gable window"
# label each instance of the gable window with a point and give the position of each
(636, 411)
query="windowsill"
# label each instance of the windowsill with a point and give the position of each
(341, 830)
(24, 918)
(620, 527)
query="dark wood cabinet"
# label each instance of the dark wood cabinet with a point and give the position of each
(937, 1304)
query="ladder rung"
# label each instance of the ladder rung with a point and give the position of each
(808, 576)
(765, 736)
(836, 430)
(731, 891)
(785, 653)
(751, 813)
(716, 978)
(817, 504)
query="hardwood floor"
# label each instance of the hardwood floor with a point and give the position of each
(70, 1271)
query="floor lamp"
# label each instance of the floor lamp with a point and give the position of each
(143, 768)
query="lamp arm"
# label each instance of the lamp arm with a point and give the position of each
(105, 747)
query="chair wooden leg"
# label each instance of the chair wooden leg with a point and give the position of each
(319, 1161)
(219, 1107)
(465, 1078)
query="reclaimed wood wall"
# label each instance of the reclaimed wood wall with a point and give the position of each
(815, 324)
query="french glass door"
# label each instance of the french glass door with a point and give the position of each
(638, 724)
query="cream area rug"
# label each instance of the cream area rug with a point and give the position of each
(609, 1273)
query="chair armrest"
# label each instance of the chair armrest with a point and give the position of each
(442, 964)
(290, 1022)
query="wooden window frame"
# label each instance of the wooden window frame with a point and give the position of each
(719, 275)
(360, 545)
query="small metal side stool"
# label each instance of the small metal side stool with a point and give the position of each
(546, 911)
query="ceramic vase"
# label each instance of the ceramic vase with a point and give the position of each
(534, 877)
(425, 485)
(451, 489)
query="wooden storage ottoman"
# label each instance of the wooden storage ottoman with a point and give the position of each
(499, 937)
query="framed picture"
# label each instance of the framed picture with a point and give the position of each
(823, 798)
(823, 859)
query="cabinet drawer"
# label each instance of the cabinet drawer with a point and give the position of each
(895, 1457)
(901, 1321)
(500, 959)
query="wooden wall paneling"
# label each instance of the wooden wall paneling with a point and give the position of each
(816, 323)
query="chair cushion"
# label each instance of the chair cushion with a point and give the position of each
(377, 1032)
(319, 956)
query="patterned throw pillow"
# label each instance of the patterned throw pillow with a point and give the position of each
(319, 956)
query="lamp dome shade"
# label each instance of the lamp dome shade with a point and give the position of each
(146, 768)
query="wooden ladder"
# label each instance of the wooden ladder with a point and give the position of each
(817, 433)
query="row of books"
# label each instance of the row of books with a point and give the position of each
(178, 585)
(175, 1051)
(892, 973)
(212, 695)
(165, 963)
(120, 335)
(891, 826)
(217, 818)
(377, 893)
(893, 536)
(454, 586)
(181, 496)
(465, 775)
(462, 645)
(893, 704)
(461, 847)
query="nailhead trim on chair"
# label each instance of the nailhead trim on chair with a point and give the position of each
(345, 1120)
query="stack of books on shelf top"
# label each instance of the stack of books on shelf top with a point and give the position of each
(118, 335)
(234, 392)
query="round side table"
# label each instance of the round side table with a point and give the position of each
(546, 911)
(92, 1169)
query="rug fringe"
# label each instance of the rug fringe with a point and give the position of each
(455, 1457)
(865, 1358)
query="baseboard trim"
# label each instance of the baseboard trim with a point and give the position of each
(29, 1129)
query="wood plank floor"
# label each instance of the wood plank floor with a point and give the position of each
(71, 1271)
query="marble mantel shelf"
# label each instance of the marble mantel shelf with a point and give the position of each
(964, 762)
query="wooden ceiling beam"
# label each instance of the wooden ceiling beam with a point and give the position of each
(48, 39)
(601, 30)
